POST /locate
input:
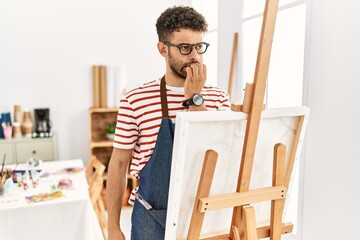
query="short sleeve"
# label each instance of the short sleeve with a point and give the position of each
(224, 101)
(127, 131)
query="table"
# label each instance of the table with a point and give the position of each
(68, 217)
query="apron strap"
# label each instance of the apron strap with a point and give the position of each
(164, 104)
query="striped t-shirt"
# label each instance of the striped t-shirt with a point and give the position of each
(140, 115)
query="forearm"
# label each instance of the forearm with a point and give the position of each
(115, 187)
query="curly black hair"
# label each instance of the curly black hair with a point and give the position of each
(174, 18)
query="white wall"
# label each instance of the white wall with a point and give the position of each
(47, 49)
(331, 171)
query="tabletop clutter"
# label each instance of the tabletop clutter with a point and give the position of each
(32, 183)
(57, 207)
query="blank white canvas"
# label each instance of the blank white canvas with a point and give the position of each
(224, 132)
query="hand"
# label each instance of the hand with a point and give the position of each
(116, 234)
(195, 79)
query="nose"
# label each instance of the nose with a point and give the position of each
(194, 56)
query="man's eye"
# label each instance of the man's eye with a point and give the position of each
(199, 46)
(185, 48)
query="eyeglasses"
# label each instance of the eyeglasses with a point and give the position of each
(186, 48)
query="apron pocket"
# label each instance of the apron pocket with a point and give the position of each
(159, 215)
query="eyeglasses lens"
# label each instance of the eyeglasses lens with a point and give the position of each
(186, 49)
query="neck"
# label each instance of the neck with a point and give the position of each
(174, 81)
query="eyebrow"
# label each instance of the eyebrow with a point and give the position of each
(188, 43)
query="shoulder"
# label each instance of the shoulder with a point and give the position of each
(145, 89)
(139, 97)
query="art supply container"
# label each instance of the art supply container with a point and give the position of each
(16, 130)
(27, 124)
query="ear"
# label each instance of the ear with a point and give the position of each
(162, 49)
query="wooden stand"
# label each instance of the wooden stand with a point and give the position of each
(247, 229)
(232, 64)
(243, 224)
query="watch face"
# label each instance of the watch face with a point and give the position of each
(198, 99)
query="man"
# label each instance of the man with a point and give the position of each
(146, 116)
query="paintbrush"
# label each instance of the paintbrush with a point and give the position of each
(17, 163)
(2, 168)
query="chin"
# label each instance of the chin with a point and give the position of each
(181, 75)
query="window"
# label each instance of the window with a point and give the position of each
(285, 78)
(284, 88)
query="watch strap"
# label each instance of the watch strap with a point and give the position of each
(188, 102)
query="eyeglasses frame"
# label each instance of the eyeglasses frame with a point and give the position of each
(187, 44)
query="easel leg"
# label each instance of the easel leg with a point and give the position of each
(207, 174)
(277, 206)
(257, 100)
(249, 222)
(236, 233)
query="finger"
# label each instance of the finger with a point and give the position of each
(200, 70)
(195, 69)
(189, 72)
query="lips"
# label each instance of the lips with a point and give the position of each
(187, 65)
(183, 68)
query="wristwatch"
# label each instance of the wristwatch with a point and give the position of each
(196, 100)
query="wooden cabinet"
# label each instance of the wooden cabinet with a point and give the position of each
(6, 147)
(20, 150)
(100, 145)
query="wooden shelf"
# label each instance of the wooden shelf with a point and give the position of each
(100, 119)
(103, 110)
(99, 144)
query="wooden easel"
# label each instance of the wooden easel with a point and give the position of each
(243, 224)
(232, 64)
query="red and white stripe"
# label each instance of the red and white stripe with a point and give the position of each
(140, 115)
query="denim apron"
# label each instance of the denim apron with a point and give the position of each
(154, 182)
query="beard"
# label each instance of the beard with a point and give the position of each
(177, 67)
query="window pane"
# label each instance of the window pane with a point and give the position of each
(255, 7)
(286, 64)
(285, 77)
(249, 39)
